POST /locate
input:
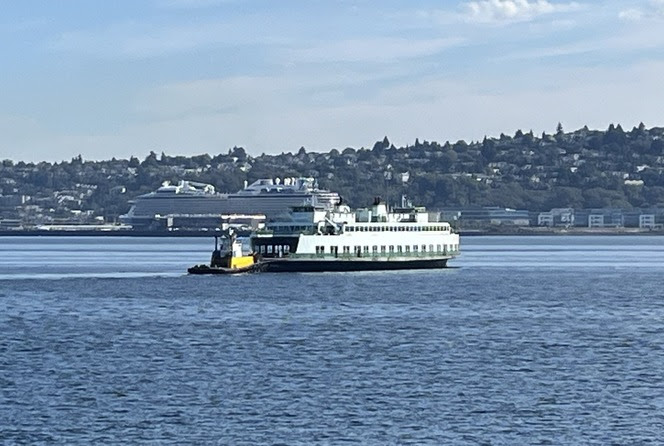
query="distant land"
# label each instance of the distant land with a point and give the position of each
(582, 169)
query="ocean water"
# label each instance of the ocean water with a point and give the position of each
(527, 340)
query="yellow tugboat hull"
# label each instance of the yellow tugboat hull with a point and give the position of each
(241, 262)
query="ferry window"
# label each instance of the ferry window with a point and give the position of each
(399, 249)
(346, 249)
(414, 248)
(383, 249)
(262, 249)
(391, 249)
(430, 248)
(407, 248)
(374, 249)
(366, 250)
(438, 248)
(286, 248)
(269, 249)
(424, 248)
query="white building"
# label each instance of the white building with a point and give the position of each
(647, 221)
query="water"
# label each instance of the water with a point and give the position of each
(531, 340)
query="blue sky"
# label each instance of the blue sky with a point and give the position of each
(122, 78)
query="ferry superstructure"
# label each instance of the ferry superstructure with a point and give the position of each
(269, 197)
(317, 239)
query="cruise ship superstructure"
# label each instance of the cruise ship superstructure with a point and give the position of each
(268, 197)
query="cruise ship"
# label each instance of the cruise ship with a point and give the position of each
(315, 239)
(268, 197)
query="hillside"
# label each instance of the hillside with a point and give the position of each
(580, 169)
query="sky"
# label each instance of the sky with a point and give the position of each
(119, 78)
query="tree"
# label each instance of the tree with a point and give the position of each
(150, 160)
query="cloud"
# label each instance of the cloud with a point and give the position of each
(143, 40)
(508, 11)
(373, 50)
(653, 9)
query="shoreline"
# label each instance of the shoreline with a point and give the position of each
(519, 231)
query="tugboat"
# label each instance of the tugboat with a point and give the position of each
(227, 257)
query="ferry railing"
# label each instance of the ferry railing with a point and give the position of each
(388, 256)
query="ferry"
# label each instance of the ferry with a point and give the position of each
(315, 239)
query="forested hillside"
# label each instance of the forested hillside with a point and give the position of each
(581, 169)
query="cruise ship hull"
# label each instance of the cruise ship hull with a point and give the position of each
(311, 266)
